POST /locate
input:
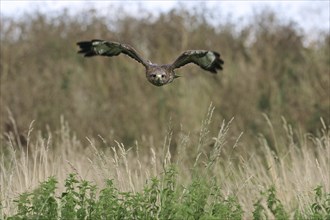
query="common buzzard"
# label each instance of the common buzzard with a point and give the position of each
(158, 75)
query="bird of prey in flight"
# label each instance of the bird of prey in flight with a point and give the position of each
(158, 75)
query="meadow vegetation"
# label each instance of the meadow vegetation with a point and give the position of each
(206, 178)
(92, 139)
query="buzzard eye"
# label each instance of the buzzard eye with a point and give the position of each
(163, 76)
(153, 75)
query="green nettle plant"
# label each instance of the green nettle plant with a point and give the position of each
(275, 205)
(160, 199)
(39, 204)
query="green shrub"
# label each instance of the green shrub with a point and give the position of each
(40, 204)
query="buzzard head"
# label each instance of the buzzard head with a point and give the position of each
(159, 76)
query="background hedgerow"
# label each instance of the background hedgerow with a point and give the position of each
(271, 67)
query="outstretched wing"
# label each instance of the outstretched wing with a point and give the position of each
(108, 48)
(208, 60)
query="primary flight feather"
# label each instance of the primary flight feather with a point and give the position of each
(158, 75)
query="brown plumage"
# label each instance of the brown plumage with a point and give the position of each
(158, 75)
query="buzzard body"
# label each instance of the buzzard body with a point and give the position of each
(158, 75)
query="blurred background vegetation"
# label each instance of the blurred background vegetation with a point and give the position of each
(270, 68)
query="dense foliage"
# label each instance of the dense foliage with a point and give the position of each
(270, 67)
(160, 199)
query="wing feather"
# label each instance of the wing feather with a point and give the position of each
(108, 48)
(207, 60)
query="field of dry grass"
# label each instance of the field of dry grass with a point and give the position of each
(268, 124)
(296, 168)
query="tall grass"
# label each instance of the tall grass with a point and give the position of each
(263, 181)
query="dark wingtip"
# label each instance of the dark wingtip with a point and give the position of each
(216, 53)
(84, 43)
(217, 63)
(86, 48)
